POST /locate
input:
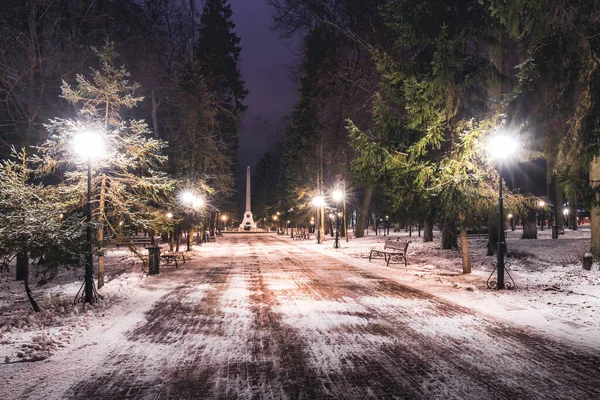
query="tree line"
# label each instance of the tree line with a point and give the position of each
(399, 98)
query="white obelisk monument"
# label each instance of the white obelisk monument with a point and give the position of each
(248, 221)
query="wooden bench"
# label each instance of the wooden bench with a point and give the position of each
(173, 256)
(393, 250)
(139, 241)
(298, 236)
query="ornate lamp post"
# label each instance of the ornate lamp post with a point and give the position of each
(318, 202)
(338, 197)
(195, 203)
(89, 145)
(224, 219)
(542, 204)
(501, 147)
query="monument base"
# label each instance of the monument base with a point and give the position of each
(248, 221)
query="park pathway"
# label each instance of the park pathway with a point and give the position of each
(261, 317)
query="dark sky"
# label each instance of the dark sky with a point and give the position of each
(264, 64)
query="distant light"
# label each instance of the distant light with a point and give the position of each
(121, 223)
(61, 216)
(288, 222)
(566, 211)
(331, 216)
(197, 202)
(169, 215)
(502, 146)
(89, 145)
(509, 216)
(542, 203)
(278, 213)
(318, 201)
(224, 217)
(275, 217)
(187, 197)
(338, 195)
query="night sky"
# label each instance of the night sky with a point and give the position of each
(264, 63)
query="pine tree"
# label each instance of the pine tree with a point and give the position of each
(128, 185)
(217, 54)
(33, 224)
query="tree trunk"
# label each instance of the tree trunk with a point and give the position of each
(595, 212)
(428, 230)
(557, 199)
(359, 231)
(529, 225)
(573, 214)
(464, 244)
(492, 225)
(23, 262)
(101, 234)
(449, 235)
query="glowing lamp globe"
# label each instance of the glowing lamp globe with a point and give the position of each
(501, 147)
(187, 197)
(197, 202)
(318, 201)
(89, 145)
(338, 196)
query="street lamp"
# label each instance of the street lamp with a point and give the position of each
(318, 201)
(89, 145)
(501, 147)
(224, 219)
(542, 204)
(338, 196)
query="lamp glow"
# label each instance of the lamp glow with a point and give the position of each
(542, 203)
(338, 196)
(89, 145)
(187, 197)
(197, 202)
(502, 147)
(169, 215)
(318, 201)
(565, 211)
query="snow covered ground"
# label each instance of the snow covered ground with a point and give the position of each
(553, 292)
(262, 307)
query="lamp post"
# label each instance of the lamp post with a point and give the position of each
(189, 199)
(89, 145)
(224, 219)
(318, 202)
(338, 196)
(542, 204)
(501, 147)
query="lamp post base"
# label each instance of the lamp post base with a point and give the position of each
(81, 297)
(493, 284)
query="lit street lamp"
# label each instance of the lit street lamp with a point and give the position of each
(224, 219)
(338, 196)
(89, 145)
(189, 199)
(318, 202)
(542, 204)
(501, 147)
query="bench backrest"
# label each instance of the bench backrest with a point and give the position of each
(396, 244)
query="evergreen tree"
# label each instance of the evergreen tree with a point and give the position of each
(34, 224)
(128, 185)
(217, 54)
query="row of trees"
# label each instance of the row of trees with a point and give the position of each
(399, 97)
(61, 74)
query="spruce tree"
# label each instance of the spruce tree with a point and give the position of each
(217, 53)
(129, 190)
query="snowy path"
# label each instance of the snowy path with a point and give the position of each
(263, 317)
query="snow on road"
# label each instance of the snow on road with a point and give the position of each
(259, 316)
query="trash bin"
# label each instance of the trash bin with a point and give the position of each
(153, 259)
(554, 232)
